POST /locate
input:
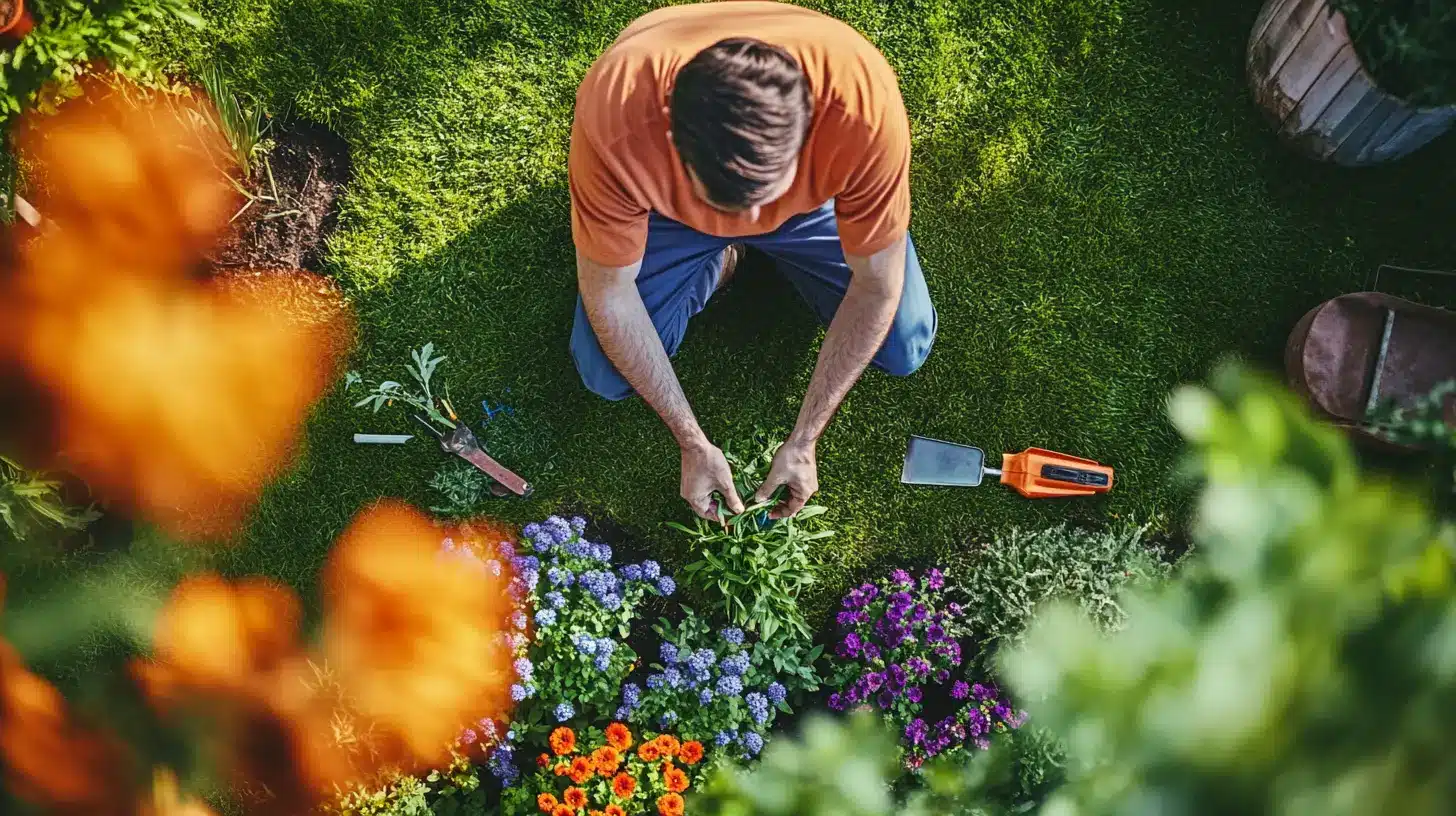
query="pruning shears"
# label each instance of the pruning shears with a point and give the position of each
(462, 442)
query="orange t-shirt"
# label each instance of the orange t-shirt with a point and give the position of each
(623, 165)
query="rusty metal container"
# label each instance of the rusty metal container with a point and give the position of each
(1308, 79)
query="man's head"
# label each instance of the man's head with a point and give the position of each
(740, 110)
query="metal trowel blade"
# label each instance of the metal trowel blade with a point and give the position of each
(933, 462)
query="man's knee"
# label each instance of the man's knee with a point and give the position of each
(905, 351)
(597, 372)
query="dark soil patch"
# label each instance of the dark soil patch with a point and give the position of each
(296, 208)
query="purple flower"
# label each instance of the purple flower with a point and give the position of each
(874, 680)
(666, 585)
(935, 579)
(730, 686)
(941, 676)
(631, 695)
(914, 694)
(934, 633)
(578, 524)
(523, 668)
(518, 619)
(871, 592)
(632, 572)
(851, 645)
(564, 712)
(897, 677)
(960, 690)
(915, 731)
(469, 736)
(836, 703)
(918, 665)
(518, 692)
(777, 693)
(885, 699)
(1002, 711)
(900, 576)
(871, 652)
(919, 613)
(733, 635)
(983, 744)
(757, 707)
(668, 653)
(753, 741)
(981, 692)
(650, 570)
(901, 600)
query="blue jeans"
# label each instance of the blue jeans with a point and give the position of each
(680, 272)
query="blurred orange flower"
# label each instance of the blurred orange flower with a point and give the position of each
(675, 780)
(649, 752)
(619, 736)
(615, 810)
(546, 802)
(417, 639)
(575, 797)
(48, 758)
(563, 741)
(670, 804)
(668, 745)
(563, 810)
(581, 770)
(623, 785)
(606, 759)
(166, 799)
(167, 394)
(692, 752)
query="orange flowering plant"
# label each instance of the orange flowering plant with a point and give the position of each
(611, 771)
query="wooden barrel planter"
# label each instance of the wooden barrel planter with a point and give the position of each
(1310, 82)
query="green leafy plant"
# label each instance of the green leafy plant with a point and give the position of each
(462, 487)
(423, 362)
(1409, 46)
(1246, 685)
(71, 35)
(242, 124)
(30, 502)
(1008, 578)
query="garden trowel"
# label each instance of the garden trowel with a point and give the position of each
(1035, 473)
(462, 442)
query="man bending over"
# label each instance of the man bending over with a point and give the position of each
(706, 128)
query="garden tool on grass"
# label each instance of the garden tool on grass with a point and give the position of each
(462, 443)
(1035, 473)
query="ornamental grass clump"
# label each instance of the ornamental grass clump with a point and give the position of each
(900, 653)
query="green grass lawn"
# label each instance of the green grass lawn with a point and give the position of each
(1100, 209)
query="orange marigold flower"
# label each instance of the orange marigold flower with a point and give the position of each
(561, 768)
(668, 745)
(623, 786)
(543, 760)
(596, 813)
(546, 802)
(670, 804)
(563, 810)
(563, 741)
(649, 752)
(581, 770)
(619, 736)
(606, 759)
(675, 780)
(613, 810)
(576, 797)
(691, 753)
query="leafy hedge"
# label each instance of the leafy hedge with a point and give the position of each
(1409, 46)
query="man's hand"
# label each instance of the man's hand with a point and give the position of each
(705, 471)
(796, 467)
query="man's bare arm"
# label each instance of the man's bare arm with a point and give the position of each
(617, 314)
(858, 330)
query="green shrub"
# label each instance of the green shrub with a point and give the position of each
(70, 35)
(1301, 663)
(1007, 579)
(405, 796)
(752, 568)
(1409, 46)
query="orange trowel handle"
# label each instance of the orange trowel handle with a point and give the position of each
(1037, 473)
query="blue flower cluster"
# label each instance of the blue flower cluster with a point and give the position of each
(702, 689)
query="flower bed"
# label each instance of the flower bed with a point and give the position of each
(609, 773)
(900, 653)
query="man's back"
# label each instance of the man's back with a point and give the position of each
(623, 165)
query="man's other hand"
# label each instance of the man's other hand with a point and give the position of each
(704, 472)
(795, 467)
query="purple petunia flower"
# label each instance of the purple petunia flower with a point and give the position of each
(935, 579)
(874, 680)
(981, 692)
(836, 703)
(900, 576)
(885, 698)
(941, 676)
(871, 652)
(960, 690)
(917, 665)
(914, 694)
(934, 633)
(915, 731)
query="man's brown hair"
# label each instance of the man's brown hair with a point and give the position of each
(740, 110)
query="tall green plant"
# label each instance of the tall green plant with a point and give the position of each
(1409, 46)
(752, 568)
(72, 35)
